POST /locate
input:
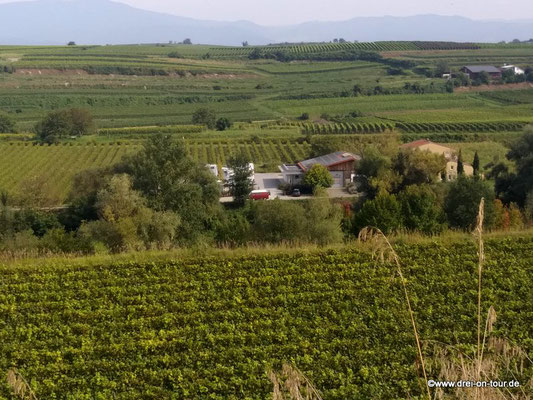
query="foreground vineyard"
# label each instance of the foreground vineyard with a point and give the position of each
(211, 327)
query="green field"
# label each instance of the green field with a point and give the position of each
(211, 327)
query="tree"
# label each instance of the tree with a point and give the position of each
(245, 43)
(223, 123)
(304, 116)
(460, 165)
(357, 90)
(6, 124)
(443, 67)
(36, 192)
(318, 176)
(515, 186)
(64, 123)
(205, 116)
(187, 41)
(241, 184)
(279, 221)
(54, 126)
(171, 181)
(384, 212)
(418, 167)
(421, 210)
(125, 222)
(71, 43)
(462, 202)
(82, 122)
(483, 78)
(476, 164)
(323, 220)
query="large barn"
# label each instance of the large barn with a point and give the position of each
(341, 165)
(473, 71)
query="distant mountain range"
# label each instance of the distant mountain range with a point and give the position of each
(49, 22)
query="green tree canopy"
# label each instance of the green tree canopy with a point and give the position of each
(171, 181)
(462, 202)
(241, 184)
(418, 167)
(513, 187)
(421, 210)
(205, 116)
(63, 123)
(384, 212)
(222, 124)
(318, 176)
(7, 125)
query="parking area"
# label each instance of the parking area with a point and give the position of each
(271, 182)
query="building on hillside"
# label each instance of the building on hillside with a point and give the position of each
(473, 71)
(341, 165)
(514, 68)
(448, 153)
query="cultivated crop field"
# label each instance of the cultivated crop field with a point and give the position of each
(212, 327)
(57, 164)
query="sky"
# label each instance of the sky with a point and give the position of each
(284, 12)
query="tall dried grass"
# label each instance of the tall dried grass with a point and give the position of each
(292, 384)
(21, 389)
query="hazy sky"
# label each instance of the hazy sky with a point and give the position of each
(280, 12)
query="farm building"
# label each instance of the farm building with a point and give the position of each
(341, 165)
(448, 153)
(473, 71)
(514, 68)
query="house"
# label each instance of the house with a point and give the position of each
(515, 69)
(473, 71)
(341, 165)
(448, 153)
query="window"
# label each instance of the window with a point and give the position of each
(451, 167)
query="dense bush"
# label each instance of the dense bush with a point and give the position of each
(7, 125)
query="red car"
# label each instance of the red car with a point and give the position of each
(260, 195)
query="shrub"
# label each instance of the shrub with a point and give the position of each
(318, 176)
(6, 124)
(204, 116)
(384, 212)
(222, 124)
(462, 202)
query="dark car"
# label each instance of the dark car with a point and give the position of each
(296, 193)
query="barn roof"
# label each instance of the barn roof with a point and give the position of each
(329, 160)
(476, 69)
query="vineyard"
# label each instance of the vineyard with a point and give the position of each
(346, 46)
(58, 164)
(210, 328)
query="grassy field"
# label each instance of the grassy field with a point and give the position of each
(211, 326)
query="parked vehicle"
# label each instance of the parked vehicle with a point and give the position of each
(260, 195)
(296, 193)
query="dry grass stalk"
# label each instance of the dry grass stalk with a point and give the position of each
(502, 359)
(292, 384)
(20, 387)
(478, 233)
(382, 249)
